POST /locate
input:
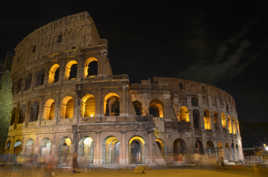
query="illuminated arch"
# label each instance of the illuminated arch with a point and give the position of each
(88, 106)
(138, 107)
(160, 145)
(207, 120)
(49, 110)
(179, 149)
(64, 150)
(136, 149)
(112, 147)
(183, 114)
(67, 107)
(53, 75)
(70, 68)
(29, 146)
(112, 104)
(86, 149)
(234, 127)
(45, 148)
(230, 128)
(87, 67)
(18, 147)
(223, 120)
(215, 120)
(156, 108)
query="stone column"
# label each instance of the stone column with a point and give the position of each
(98, 150)
(123, 149)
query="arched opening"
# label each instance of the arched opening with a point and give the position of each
(223, 120)
(91, 67)
(29, 147)
(233, 152)
(194, 101)
(237, 152)
(40, 76)
(138, 107)
(49, 109)
(112, 146)
(67, 107)
(227, 151)
(196, 118)
(34, 111)
(8, 144)
(199, 147)
(28, 82)
(179, 149)
(156, 109)
(88, 106)
(71, 70)
(45, 147)
(210, 148)
(230, 129)
(18, 147)
(160, 145)
(86, 150)
(234, 127)
(220, 150)
(184, 114)
(53, 75)
(112, 104)
(136, 150)
(207, 121)
(64, 150)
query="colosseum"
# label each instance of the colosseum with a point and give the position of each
(66, 100)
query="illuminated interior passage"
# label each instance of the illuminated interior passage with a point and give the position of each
(49, 110)
(156, 108)
(53, 75)
(183, 114)
(88, 106)
(67, 107)
(136, 149)
(112, 146)
(112, 104)
(91, 67)
(207, 120)
(70, 70)
(86, 149)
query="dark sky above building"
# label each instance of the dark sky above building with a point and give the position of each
(221, 43)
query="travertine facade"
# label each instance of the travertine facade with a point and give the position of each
(66, 99)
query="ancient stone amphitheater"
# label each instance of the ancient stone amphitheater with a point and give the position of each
(66, 99)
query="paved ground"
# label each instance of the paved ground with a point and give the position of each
(182, 172)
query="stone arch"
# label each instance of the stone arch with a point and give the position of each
(64, 150)
(88, 106)
(210, 148)
(91, 67)
(49, 109)
(179, 149)
(71, 70)
(196, 118)
(183, 114)
(86, 150)
(227, 151)
(45, 147)
(136, 149)
(160, 145)
(67, 107)
(156, 108)
(18, 147)
(199, 147)
(220, 150)
(230, 129)
(223, 120)
(207, 120)
(112, 104)
(111, 150)
(53, 74)
(29, 147)
(138, 107)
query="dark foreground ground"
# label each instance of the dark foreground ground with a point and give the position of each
(17, 171)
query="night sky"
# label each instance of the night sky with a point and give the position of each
(221, 43)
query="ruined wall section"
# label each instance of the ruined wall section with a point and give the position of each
(69, 33)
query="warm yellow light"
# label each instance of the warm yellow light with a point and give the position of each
(230, 129)
(67, 107)
(184, 114)
(88, 141)
(223, 120)
(51, 74)
(88, 106)
(88, 61)
(68, 141)
(68, 69)
(159, 106)
(207, 120)
(106, 98)
(138, 138)
(49, 109)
